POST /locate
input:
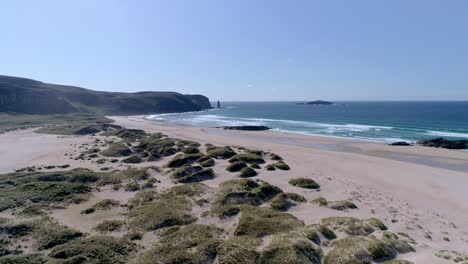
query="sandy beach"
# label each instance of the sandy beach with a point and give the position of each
(416, 190)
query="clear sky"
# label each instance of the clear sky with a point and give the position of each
(243, 49)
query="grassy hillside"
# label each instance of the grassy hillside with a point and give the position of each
(26, 96)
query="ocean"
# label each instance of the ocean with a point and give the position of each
(376, 121)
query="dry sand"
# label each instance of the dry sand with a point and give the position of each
(415, 190)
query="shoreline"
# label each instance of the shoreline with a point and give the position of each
(329, 143)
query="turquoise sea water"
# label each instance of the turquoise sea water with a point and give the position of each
(380, 121)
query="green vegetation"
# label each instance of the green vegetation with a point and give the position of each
(250, 158)
(23, 259)
(292, 247)
(358, 249)
(191, 150)
(132, 187)
(284, 201)
(106, 204)
(117, 149)
(348, 225)
(187, 174)
(183, 159)
(133, 159)
(335, 205)
(58, 237)
(276, 157)
(236, 166)
(20, 189)
(270, 167)
(239, 250)
(247, 172)
(220, 152)
(163, 210)
(190, 244)
(304, 183)
(233, 193)
(376, 223)
(94, 250)
(206, 161)
(455, 256)
(255, 166)
(10, 122)
(77, 128)
(107, 226)
(281, 165)
(260, 221)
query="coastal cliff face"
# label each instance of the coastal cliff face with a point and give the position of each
(26, 96)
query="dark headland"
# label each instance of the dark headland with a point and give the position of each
(26, 96)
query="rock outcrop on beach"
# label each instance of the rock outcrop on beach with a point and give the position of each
(400, 143)
(26, 96)
(247, 128)
(444, 143)
(317, 102)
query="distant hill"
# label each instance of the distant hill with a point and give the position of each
(26, 96)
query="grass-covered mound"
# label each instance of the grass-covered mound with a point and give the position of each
(56, 237)
(236, 166)
(304, 183)
(188, 174)
(170, 208)
(78, 128)
(183, 159)
(354, 226)
(239, 250)
(284, 201)
(23, 259)
(220, 152)
(206, 161)
(341, 205)
(262, 221)
(107, 226)
(97, 249)
(127, 134)
(21, 189)
(233, 193)
(292, 247)
(191, 150)
(189, 244)
(276, 157)
(281, 165)
(117, 149)
(250, 158)
(247, 172)
(455, 256)
(359, 249)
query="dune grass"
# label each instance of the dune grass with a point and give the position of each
(249, 158)
(304, 183)
(163, 210)
(247, 172)
(261, 221)
(190, 244)
(96, 249)
(117, 149)
(292, 247)
(236, 166)
(348, 225)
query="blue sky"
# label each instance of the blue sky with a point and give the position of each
(243, 49)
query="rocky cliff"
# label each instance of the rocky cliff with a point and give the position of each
(26, 96)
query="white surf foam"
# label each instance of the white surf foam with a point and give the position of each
(447, 134)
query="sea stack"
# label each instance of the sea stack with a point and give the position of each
(219, 104)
